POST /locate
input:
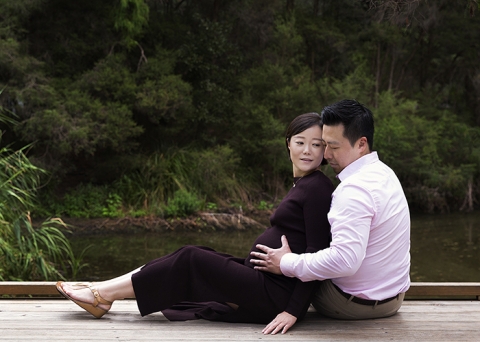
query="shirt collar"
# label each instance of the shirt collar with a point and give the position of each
(353, 167)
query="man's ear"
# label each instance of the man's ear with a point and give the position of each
(363, 144)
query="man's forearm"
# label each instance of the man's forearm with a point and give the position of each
(301, 266)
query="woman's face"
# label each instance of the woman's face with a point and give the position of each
(306, 151)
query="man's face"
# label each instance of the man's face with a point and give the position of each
(338, 151)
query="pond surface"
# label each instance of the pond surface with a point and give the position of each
(443, 248)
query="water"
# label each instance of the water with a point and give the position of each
(443, 248)
(446, 247)
(111, 255)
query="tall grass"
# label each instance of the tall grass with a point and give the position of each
(172, 183)
(209, 174)
(26, 252)
(215, 175)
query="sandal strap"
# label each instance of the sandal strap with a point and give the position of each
(81, 285)
(97, 298)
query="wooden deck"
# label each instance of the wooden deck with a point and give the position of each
(55, 319)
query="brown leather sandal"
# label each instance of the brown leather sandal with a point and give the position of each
(91, 308)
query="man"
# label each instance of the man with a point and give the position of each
(365, 271)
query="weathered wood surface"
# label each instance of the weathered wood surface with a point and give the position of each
(35, 288)
(61, 320)
(444, 290)
(55, 319)
(417, 290)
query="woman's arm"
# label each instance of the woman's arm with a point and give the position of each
(315, 208)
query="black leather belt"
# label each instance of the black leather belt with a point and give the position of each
(362, 300)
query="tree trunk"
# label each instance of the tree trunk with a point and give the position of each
(316, 7)
(215, 9)
(468, 202)
(377, 78)
(312, 66)
(290, 5)
(392, 69)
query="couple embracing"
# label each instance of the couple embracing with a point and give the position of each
(345, 250)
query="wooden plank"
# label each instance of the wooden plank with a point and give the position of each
(423, 289)
(417, 289)
(61, 320)
(34, 288)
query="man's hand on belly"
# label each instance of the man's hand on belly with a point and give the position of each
(269, 261)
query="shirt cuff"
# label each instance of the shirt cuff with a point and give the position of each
(286, 264)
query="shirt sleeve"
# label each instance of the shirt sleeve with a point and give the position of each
(317, 234)
(350, 218)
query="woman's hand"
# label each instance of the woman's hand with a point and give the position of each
(282, 322)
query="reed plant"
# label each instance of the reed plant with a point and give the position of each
(216, 174)
(152, 182)
(42, 253)
(27, 252)
(164, 178)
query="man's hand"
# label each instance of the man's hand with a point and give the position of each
(270, 260)
(282, 322)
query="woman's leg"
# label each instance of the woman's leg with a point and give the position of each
(199, 274)
(110, 290)
(192, 274)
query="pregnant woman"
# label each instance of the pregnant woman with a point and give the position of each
(197, 282)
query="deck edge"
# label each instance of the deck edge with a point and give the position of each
(417, 289)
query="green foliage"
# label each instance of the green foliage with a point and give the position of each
(160, 176)
(203, 100)
(259, 139)
(264, 205)
(154, 179)
(84, 201)
(137, 213)
(109, 81)
(80, 124)
(182, 204)
(88, 201)
(272, 94)
(19, 180)
(210, 62)
(215, 174)
(131, 16)
(113, 206)
(14, 12)
(325, 43)
(286, 42)
(433, 158)
(28, 253)
(358, 84)
(162, 96)
(211, 206)
(281, 83)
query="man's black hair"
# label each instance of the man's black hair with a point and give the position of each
(355, 117)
